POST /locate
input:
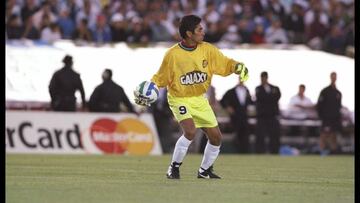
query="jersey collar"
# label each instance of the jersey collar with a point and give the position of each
(185, 47)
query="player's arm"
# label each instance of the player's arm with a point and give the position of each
(223, 65)
(241, 70)
(161, 79)
(163, 76)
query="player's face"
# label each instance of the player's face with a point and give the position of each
(198, 35)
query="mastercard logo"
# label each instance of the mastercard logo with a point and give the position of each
(129, 136)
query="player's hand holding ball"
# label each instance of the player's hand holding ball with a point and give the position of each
(242, 71)
(146, 93)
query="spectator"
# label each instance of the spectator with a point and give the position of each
(248, 13)
(329, 110)
(335, 42)
(244, 30)
(109, 96)
(88, 11)
(236, 101)
(275, 34)
(231, 8)
(51, 33)
(175, 34)
(30, 32)
(258, 36)
(14, 29)
(82, 32)
(230, 38)
(107, 13)
(267, 113)
(211, 15)
(63, 85)
(28, 9)
(300, 106)
(160, 28)
(350, 35)
(294, 24)
(316, 26)
(266, 19)
(72, 7)
(45, 22)
(118, 28)
(174, 12)
(101, 32)
(66, 24)
(316, 13)
(12, 8)
(43, 14)
(54, 6)
(276, 7)
(141, 7)
(212, 34)
(140, 31)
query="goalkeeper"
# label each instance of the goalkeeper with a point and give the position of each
(186, 72)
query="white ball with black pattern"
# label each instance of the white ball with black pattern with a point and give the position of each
(147, 90)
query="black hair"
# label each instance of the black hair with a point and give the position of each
(188, 23)
(68, 60)
(302, 86)
(108, 73)
(264, 74)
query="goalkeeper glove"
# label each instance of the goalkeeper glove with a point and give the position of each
(242, 71)
(141, 100)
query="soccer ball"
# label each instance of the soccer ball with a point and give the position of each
(147, 89)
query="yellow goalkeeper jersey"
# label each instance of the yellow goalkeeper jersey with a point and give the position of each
(188, 73)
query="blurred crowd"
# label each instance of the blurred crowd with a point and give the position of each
(321, 24)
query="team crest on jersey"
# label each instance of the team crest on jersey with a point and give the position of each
(204, 63)
(195, 77)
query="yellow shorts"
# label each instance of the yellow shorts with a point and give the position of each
(197, 108)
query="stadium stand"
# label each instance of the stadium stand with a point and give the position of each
(323, 25)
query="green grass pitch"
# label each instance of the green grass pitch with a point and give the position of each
(111, 178)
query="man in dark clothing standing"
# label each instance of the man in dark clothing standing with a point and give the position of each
(328, 108)
(63, 85)
(236, 101)
(267, 112)
(108, 96)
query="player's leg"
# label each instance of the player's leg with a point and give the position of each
(184, 141)
(204, 118)
(182, 144)
(211, 152)
(181, 111)
(181, 147)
